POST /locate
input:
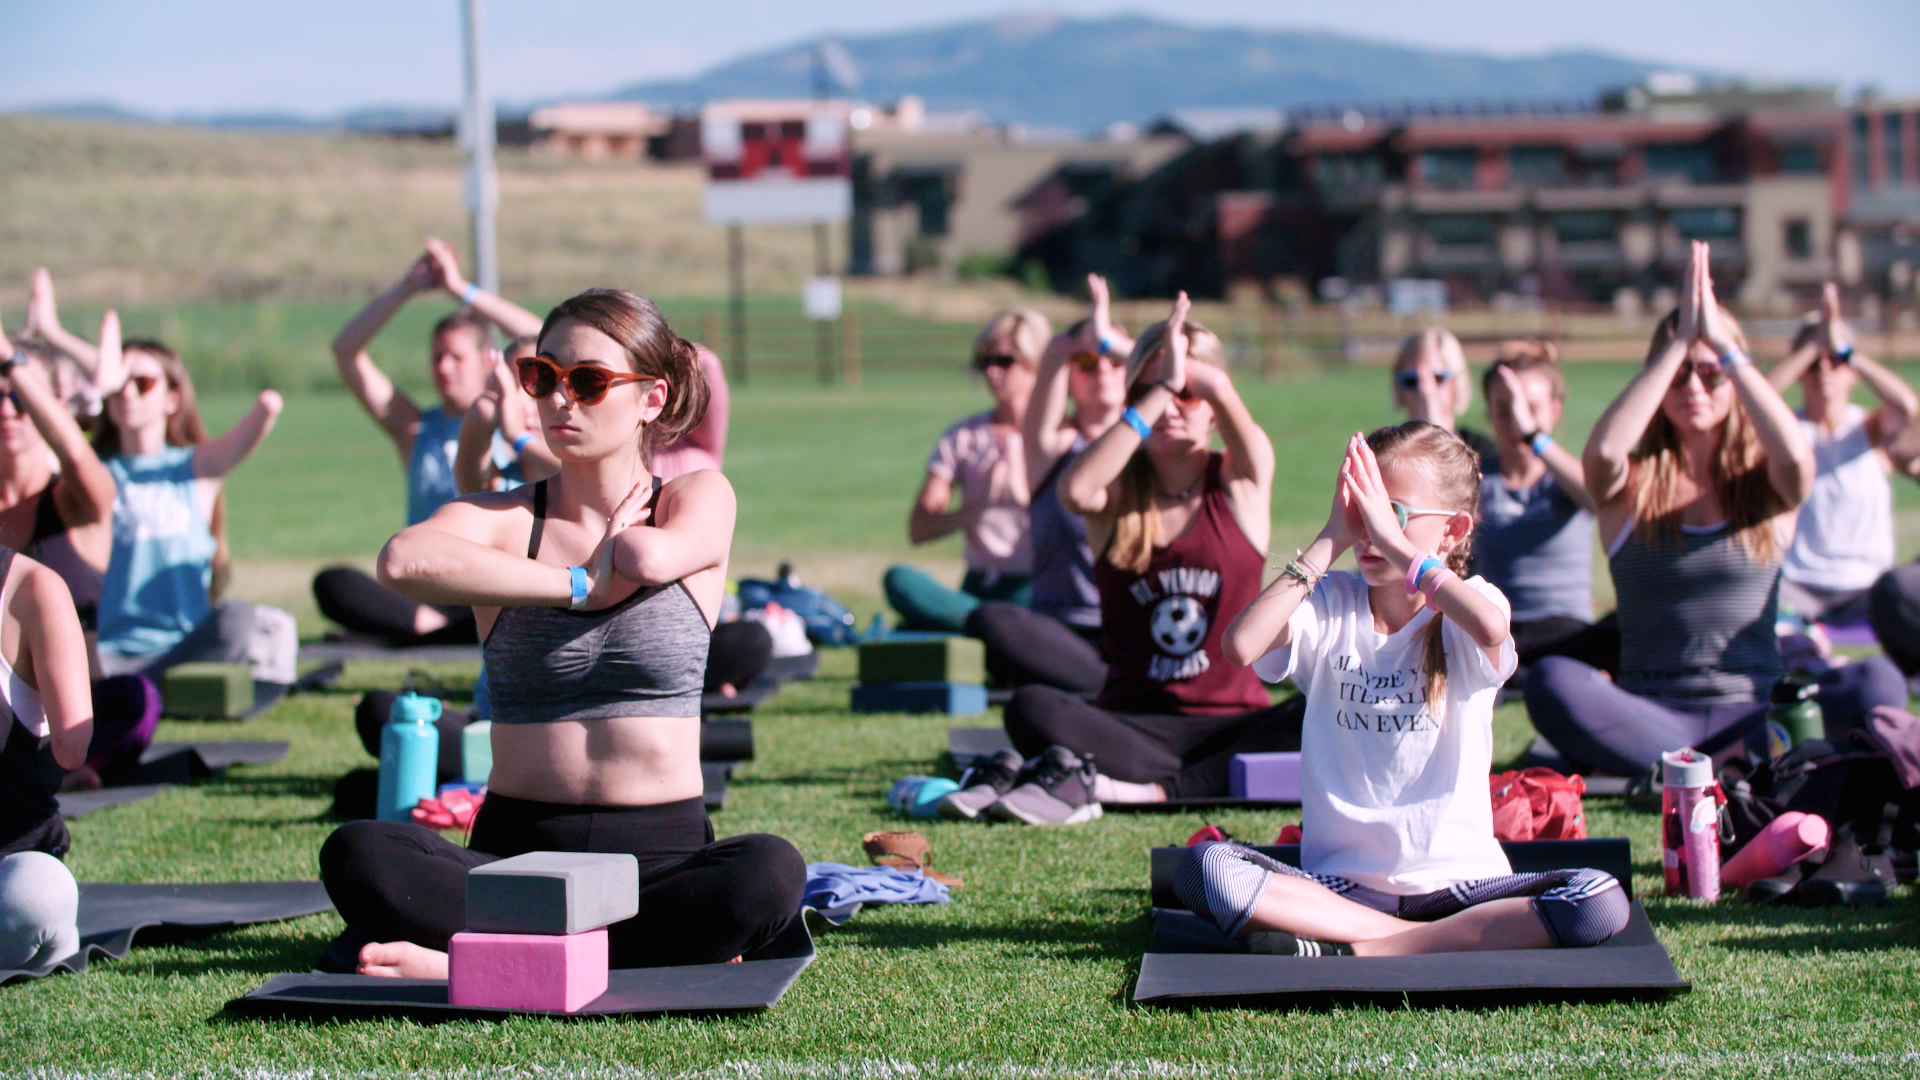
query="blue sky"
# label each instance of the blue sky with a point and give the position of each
(245, 55)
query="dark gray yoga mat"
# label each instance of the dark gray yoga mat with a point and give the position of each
(1190, 964)
(726, 738)
(368, 650)
(78, 804)
(716, 774)
(184, 763)
(754, 984)
(969, 744)
(111, 915)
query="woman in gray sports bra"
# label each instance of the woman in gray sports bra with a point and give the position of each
(1699, 469)
(595, 593)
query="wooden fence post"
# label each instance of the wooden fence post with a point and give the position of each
(850, 348)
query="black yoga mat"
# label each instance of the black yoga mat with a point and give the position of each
(184, 763)
(371, 650)
(726, 738)
(716, 774)
(754, 984)
(110, 915)
(1191, 964)
(969, 744)
(78, 804)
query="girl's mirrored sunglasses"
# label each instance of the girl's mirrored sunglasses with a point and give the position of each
(1410, 380)
(1711, 374)
(1402, 513)
(586, 384)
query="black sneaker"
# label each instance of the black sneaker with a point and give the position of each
(1055, 788)
(982, 785)
(1853, 875)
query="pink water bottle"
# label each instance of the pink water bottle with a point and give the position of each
(1786, 840)
(1690, 824)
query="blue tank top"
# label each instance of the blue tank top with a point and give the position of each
(155, 590)
(430, 470)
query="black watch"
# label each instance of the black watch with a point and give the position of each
(11, 362)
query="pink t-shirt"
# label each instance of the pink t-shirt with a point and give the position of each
(990, 467)
(706, 445)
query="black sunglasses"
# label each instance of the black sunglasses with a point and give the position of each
(1410, 380)
(1711, 375)
(995, 360)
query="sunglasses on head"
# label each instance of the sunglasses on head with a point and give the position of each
(1711, 374)
(1402, 513)
(586, 384)
(1410, 380)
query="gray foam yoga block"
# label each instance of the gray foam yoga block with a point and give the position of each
(552, 892)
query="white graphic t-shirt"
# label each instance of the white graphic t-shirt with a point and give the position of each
(1393, 797)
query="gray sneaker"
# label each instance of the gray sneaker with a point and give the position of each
(1055, 788)
(982, 785)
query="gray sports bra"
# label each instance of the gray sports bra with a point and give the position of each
(645, 656)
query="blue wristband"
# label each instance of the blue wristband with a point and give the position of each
(1540, 441)
(1139, 426)
(579, 574)
(1734, 358)
(467, 294)
(520, 443)
(1106, 346)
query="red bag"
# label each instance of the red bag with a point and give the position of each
(1537, 804)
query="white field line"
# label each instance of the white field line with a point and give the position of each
(1781, 1063)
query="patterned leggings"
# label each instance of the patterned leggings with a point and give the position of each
(1222, 882)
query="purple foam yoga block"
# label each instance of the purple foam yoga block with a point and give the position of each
(536, 972)
(1271, 777)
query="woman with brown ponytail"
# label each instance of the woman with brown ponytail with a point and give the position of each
(1180, 530)
(596, 593)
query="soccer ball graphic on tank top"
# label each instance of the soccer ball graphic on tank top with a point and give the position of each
(1179, 625)
(1179, 621)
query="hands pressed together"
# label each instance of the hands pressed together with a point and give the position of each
(1362, 509)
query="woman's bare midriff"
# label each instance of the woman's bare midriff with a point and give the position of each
(622, 761)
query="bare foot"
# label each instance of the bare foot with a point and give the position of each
(402, 960)
(426, 620)
(727, 690)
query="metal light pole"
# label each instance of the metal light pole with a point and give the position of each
(481, 184)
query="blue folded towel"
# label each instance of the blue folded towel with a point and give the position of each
(838, 891)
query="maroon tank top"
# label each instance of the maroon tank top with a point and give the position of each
(1162, 628)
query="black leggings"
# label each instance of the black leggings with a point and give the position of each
(365, 606)
(1189, 756)
(701, 901)
(1026, 648)
(739, 652)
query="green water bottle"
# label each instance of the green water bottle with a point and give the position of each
(1793, 714)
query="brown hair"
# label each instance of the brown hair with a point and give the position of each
(1136, 521)
(635, 323)
(1454, 469)
(184, 427)
(1029, 329)
(1440, 340)
(467, 319)
(524, 341)
(1739, 469)
(1527, 357)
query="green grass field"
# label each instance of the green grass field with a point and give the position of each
(1026, 974)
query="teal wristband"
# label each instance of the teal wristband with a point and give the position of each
(579, 574)
(1106, 346)
(1733, 358)
(467, 294)
(520, 443)
(1540, 441)
(1139, 426)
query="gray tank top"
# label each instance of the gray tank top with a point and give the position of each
(1696, 617)
(645, 656)
(1536, 546)
(1062, 562)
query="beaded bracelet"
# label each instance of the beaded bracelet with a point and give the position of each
(1300, 569)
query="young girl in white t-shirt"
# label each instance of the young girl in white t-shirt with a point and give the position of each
(1400, 664)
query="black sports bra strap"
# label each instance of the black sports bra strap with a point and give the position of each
(539, 519)
(653, 502)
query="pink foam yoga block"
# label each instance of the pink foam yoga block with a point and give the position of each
(1273, 777)
(1786, 840)
(537, 972)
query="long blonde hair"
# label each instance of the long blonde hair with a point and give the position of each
(1454, 469)
(1136, 521)
(1739, 469)
(1440, 340)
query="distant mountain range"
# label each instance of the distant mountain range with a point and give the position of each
(1082, 74)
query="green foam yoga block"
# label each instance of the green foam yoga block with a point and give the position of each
(929, 658)
(212, 690)
(946, 698)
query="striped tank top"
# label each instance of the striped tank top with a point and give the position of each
(1696, 616)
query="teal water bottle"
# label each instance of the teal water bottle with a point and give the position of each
(409, 756)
